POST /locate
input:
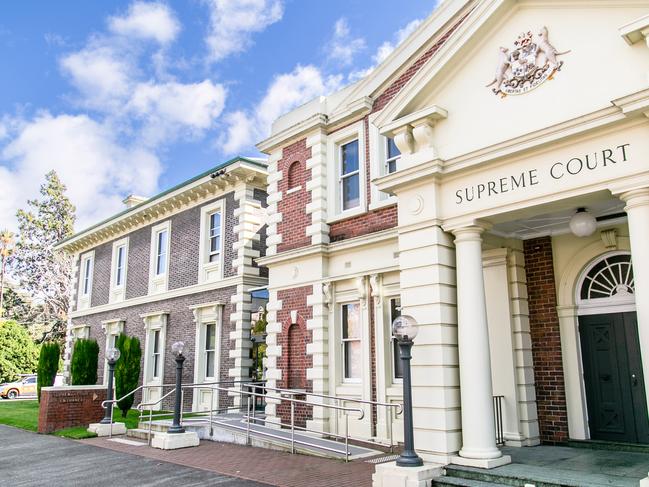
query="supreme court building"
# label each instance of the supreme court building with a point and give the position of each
(491, 179)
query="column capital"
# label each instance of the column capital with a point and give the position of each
(635, 198)
(469, 232)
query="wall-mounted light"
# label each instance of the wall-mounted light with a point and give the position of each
(582, 223)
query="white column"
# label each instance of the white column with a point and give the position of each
(637, 210)
(478, 429)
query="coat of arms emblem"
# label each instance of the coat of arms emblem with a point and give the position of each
(532, 61)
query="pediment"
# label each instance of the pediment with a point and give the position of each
(574, 50)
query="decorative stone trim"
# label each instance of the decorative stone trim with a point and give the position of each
(318, 349)
(274, 196)
(242, 307)
(317, 186)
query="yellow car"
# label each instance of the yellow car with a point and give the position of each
(24, 387)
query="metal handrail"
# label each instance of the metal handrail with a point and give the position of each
(293, 402)
(399, 407)
(342, 398)
(140, 407)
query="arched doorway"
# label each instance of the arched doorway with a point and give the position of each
(613, 376)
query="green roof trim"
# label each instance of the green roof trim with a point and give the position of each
(256, 162)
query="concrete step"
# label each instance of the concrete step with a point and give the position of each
(452, 481)
(158, 426)
(519, 475)
(139, 433)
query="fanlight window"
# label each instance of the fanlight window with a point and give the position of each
(611, 277)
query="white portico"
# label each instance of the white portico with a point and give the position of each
(483, 169)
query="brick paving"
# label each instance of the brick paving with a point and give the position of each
(259, 464)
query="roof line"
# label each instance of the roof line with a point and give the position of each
(158, 196)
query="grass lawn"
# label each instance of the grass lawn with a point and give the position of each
(21, 414)
(24, 415)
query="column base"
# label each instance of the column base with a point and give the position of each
(173, 441)
(481, 462)
(389, 475)
(101, 429)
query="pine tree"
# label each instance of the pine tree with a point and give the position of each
(48, 365)
(44, 274)
(83, 367)
(127, 370)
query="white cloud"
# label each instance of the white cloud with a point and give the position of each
(167, 107)
(101, 74)
(342, 47)
(385, 49)
(285, 92)
(97, 169)
(147, 20)
(232, 22)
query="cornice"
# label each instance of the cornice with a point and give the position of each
(203, 188)
(319, 120)
(184, 291)
(326, 250)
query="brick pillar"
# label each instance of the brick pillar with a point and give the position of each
(546, 341)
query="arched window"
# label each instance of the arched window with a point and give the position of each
(609, 277)
(294, 174)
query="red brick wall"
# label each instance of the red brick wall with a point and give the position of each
(546, 340)
(396, 86)
(69, 406)
(294, 361)
(373, 221)
(292, 206)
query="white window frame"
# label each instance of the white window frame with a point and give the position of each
(210, 271)
(335, 142)
(118, 291)
(85, 296)
(378, 166)
(206, 314)
(158, 283)
(393, 358)
(112, 329)
(359, 339)
(156, 321)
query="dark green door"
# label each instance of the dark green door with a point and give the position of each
(615, 395)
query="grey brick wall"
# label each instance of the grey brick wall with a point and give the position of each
(101, 274)
(184, 248)
(137, 274)
(180, 327)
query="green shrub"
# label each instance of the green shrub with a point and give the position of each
(18, 352)
(127, 370)
(48, 365)
(83, 367)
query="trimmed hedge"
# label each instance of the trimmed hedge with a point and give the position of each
(127, 370)
(48, 366)
(83, 367)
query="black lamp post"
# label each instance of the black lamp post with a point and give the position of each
(112, 356)
(177, 349)
(404, 329)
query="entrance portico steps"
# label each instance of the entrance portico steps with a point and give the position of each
(519, 475)
(231, 428)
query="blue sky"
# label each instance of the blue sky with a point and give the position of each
(129, 97)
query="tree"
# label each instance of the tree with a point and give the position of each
(18, 353)
(45, 274)
(83, 367)
(7, 243)
(48, 365)
(127, 370)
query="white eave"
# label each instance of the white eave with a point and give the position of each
(212, 183)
